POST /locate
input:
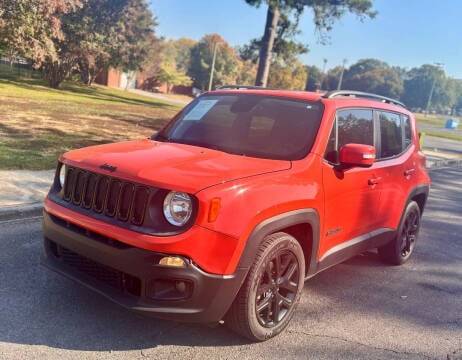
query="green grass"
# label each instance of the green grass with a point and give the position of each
(38, 123)
(444, 134)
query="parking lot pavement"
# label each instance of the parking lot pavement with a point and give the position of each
(361, 309)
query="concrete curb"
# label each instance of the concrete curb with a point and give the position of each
(21, 211)
(436, 164)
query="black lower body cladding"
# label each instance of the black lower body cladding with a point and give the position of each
(131, 277)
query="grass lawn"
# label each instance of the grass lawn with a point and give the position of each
(37, 123)
(433, 125)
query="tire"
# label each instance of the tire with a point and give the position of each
(400, 249)
(277, 251)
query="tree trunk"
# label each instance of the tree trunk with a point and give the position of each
(264, 61)
(56, 72)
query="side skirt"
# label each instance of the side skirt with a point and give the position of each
(353, 247)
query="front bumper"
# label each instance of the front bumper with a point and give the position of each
(131, 276)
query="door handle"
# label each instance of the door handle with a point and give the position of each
(374, 181)
(409, 172)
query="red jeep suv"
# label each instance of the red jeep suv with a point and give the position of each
(240, 198)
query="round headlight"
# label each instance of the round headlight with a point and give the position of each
(177, 208)
(62, 174)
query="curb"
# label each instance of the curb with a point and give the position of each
(21, 211)
(436, 164)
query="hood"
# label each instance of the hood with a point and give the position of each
(171, 166)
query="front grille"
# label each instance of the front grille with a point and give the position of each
(114, 278)
(111, 197)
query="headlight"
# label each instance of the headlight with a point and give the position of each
(177, 208)
(62, 175)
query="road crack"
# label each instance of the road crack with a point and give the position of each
(358, 343)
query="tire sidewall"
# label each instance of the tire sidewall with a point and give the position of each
(286, 243)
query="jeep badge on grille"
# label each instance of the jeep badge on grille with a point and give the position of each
(108, 167)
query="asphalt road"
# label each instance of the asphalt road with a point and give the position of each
(361, 309)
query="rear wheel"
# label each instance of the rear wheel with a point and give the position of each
(267, 300)
(399, 250)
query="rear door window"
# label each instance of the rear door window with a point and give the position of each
(391, 136)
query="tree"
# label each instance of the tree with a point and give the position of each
(31, 28)
(374, 76)
(178, 52)
(246, 73)
(104, 33)
(314, 78)
(418, 86)
(290, 76)
(134, 36)
(93, 29)
(325, 13)
(171, 76)
(332, 78)
(285, 48)
(226, 66)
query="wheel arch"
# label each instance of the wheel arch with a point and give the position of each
(302, 224)
(419, 194)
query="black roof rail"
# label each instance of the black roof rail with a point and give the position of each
(360, 94)
(249, 87)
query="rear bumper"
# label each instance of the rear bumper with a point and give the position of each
(131, 276)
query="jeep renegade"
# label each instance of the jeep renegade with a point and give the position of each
(240, 198)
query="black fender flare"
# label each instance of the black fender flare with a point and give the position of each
(418, 190)
(271, 225)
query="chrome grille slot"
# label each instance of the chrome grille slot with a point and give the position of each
(140, 201)
(87, 200)
(113, 198)
(80, 179)
(102, 187)
(69, 184)
(125, 203)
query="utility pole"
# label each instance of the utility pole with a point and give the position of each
(323, 72)
(340, 80)
(212, 70)
(439, 65)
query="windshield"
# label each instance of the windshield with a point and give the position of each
(250, 125)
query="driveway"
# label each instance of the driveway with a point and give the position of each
(361, 309)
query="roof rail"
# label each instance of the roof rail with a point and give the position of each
(249, 87)
(360, 94)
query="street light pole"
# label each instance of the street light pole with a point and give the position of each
(439, 65)
(340, 80)
(323, 72)
(212, 70)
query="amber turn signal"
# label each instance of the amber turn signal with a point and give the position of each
(214, 209)
(173, 261)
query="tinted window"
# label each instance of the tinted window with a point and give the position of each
(247, 124)
(355, 127)
(407, 131)
(390, 134)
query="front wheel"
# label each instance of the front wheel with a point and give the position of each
(267, 300)
(400, 249)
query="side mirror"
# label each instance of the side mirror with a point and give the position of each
(357, 155)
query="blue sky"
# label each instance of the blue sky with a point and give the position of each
(405, 32)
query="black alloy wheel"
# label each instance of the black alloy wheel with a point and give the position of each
(267, 300)
(277, 288)
(401, 247)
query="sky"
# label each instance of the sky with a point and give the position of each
(407, 33)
